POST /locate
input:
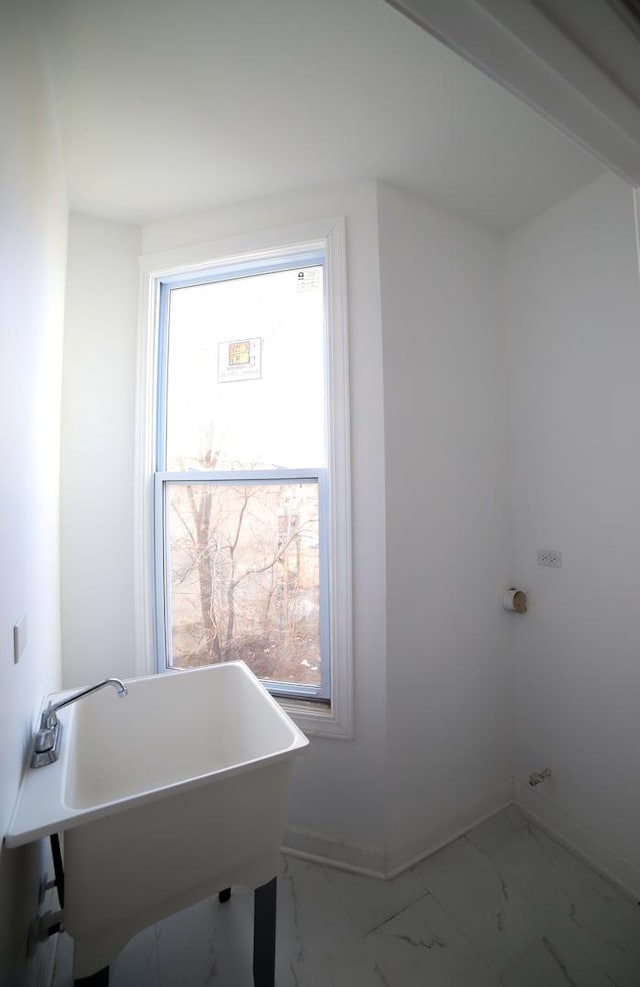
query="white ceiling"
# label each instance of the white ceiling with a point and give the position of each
(171, 107)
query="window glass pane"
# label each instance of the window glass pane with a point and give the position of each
(243, 570)
(245, 374)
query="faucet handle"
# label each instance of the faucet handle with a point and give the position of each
(45, 739)
(48, 718)
(46, 742)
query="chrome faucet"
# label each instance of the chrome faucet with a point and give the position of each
(46, 745)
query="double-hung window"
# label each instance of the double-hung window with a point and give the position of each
(250, 473)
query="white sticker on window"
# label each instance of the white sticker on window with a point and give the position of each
(309, 279)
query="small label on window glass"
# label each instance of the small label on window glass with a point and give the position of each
(240, 359)
(309, 279)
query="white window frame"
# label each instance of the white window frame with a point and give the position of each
(335, 720)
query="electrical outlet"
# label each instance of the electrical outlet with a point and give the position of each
(550, 556)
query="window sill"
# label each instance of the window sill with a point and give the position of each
(316, 719)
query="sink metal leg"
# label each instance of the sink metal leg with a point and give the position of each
(98, 979)
(264, 934)
(58, 868)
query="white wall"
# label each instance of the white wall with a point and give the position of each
(574, 318)
(97, 463)
(445, 656)
(447, 496)
(32, 246)
(434, 545)
(337, 799)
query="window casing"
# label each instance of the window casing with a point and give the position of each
(321, 706)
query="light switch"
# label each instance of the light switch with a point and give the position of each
(19, 638)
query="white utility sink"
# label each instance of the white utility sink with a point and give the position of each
(165, 796)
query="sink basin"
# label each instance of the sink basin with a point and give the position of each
(172, 730)
(165, 796)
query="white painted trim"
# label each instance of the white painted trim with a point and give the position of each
(265, 244)
(515, 44)
(144, 658)
(386, 864)
(580, 840)
(320, 849)
(375, 862)
(339, 723)
(412, 851)
(330, 235)
(636, 212)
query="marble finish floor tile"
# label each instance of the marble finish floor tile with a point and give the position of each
(500, 827)
(318, 944)
(587, 910)
(137, 964)
(485, 903)
(555, 960)
(542, 868)
(186, 945)
(503, 906)
(423, 946)
(606, 929)
(368, 901)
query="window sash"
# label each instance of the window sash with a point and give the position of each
(163, 629)
(326, 235)
(290, 261)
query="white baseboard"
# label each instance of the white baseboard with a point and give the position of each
(321, 849)
(387, 862)
(583, 842)
(412, 851)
